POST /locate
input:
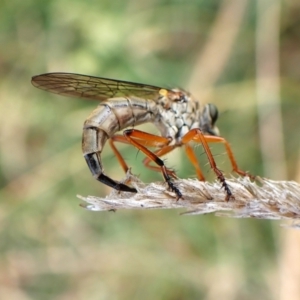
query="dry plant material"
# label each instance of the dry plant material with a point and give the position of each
(263, 199)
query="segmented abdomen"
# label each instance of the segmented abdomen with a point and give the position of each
(112, 116)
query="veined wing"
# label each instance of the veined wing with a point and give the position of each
(97, 88)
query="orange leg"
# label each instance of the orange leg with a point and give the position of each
(150, 141)
(160, 152)
(116, 138)
(235, 168)
(190, 153)
(135, 137)
(192, 157)
(197, 136)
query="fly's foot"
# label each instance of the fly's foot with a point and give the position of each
(252, 177)
(174, 189)
(171, 185)
(229, 195)
(244, 174)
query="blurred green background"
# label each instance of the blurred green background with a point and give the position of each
(243, 56)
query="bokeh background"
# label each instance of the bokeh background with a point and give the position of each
(243, 56)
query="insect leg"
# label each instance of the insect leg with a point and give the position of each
(197, 136)
(122, 139)
(144, 138)
(93, 140)
(160, 152)
(193, 159)
(235, 168)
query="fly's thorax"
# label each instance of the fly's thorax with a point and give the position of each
(176, 120)
(119, 113)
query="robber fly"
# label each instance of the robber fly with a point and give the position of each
(177, 115)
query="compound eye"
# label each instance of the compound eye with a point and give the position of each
(213, 112)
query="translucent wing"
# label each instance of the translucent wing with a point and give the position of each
(83, 86)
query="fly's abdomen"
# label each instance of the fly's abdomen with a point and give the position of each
(103, 118)
(108, 118)
(120, 113)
